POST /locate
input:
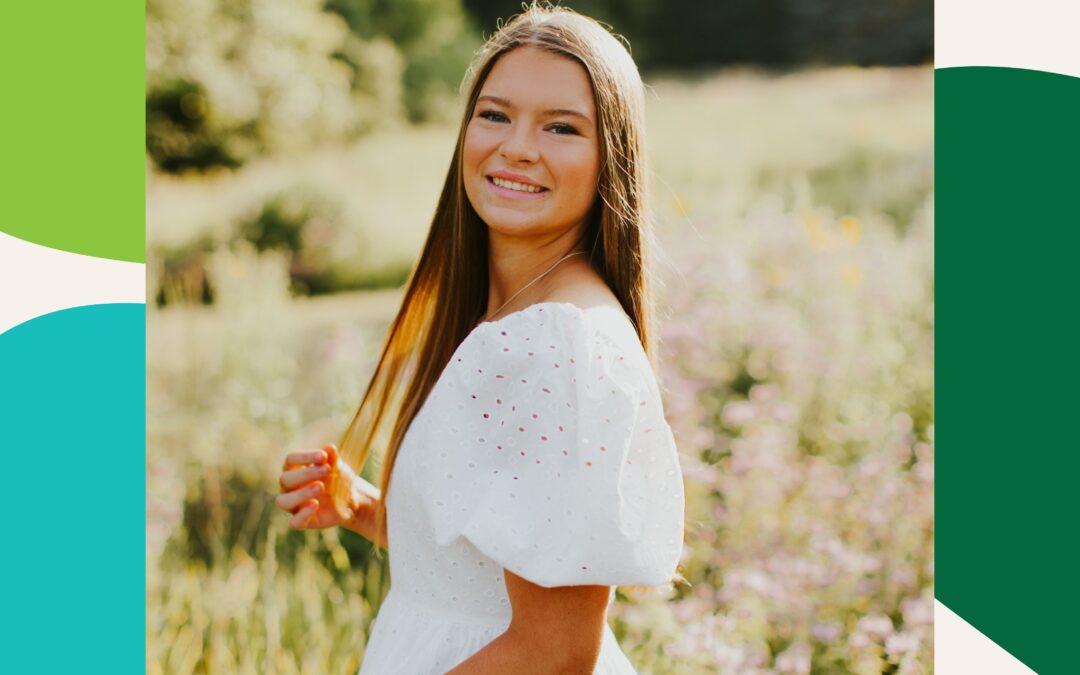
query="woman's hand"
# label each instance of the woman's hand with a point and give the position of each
(303, 482)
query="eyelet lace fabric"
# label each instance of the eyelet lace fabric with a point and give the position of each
(543, 450)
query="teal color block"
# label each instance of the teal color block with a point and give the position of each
(73, 438)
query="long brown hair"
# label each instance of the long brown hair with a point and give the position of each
(447, 291)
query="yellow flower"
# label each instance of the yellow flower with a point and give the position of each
(777, 276)
(820, 238)
(852, 274)
(851, 228)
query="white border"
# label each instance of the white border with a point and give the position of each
(39, 280)
(1035, 34)
(960, 648)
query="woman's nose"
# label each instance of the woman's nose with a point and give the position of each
(519, 146)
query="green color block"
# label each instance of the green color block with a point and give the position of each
(72, 126)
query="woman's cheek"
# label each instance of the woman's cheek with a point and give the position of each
(585, 168)
(474, 140)
(479, 137)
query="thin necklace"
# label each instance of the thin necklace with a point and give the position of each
(531, 283)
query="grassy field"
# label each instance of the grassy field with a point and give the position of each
(795, 220)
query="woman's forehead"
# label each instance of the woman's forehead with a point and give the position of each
(530, 77)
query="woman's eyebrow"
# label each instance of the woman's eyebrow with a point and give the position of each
(554, 111)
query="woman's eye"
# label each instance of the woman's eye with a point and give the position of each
(563, 129)
(492, 115)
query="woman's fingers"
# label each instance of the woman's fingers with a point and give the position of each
(301, 483)
(299, 521)
(291, 501)
(295, 477)
(302, 457)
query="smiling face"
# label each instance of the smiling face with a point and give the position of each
(531, 155)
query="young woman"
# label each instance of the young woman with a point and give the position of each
(529, 468)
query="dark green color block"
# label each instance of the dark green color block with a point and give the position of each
(1007, 367)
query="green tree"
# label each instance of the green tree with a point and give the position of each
(436, 38)
(227, 80)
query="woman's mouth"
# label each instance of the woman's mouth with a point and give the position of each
(513, 189)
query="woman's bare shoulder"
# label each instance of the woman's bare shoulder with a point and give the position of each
(585, 289)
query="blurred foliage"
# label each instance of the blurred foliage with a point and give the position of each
(690, 35)
(894, 184)
(250, 76)
(325, 252)
(180, 272)
(179, 134)
(798, 364)
(435, 38)
(229, 586)
(228, 81)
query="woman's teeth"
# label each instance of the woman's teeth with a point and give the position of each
(511, 185)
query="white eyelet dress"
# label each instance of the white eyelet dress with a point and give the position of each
(542, 449)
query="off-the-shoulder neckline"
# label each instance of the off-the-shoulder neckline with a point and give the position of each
(480, 331)
(539, 307)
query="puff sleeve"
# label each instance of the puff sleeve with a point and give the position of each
(568, 471)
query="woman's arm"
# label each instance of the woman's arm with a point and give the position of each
(554, 631)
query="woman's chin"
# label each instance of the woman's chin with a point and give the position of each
(513, 223)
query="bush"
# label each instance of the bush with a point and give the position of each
(182, 277)
(324, 251)
(178, 133)
(435, 37)
(227, 81)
